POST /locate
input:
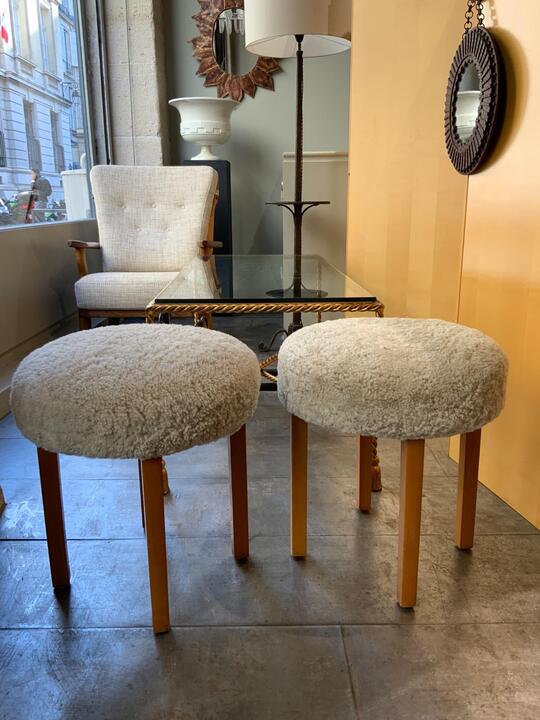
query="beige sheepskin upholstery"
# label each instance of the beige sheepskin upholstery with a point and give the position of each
(394, 378)
(135, 391)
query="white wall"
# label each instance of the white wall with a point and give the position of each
(37, 273)
(263, 127)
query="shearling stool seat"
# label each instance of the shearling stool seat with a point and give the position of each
(141, 392)
(392, 378)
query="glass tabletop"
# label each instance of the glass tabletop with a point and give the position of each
(261, 279)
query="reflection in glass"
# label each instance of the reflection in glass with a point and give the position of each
(230, 44)
(468, 102)
(248, 278)
(44, 138)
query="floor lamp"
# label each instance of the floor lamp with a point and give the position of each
(286, 29)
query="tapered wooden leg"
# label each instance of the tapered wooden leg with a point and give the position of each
(141, 492)
(85, 323)
(469, 457)
(51, 490)
(365, 468)
(239, 494)
(155, 540)
(410, 509)
(299, 463)
(165, 478)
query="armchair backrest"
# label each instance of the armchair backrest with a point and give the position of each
(151, 219)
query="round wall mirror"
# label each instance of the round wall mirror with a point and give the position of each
(220, 49)
(474, 101)
(468, 102)
(230, 43)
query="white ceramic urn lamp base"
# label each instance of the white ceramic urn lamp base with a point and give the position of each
(205, 121)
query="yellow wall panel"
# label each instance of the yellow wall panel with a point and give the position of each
(501, 264)
(430, 242)
(406, 203)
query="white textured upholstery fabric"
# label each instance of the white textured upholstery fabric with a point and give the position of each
(395, 378)
(135, 391)
(151, 219)
(120, 291)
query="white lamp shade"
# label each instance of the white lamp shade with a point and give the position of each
(271, 26)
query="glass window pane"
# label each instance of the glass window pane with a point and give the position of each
(43, 132)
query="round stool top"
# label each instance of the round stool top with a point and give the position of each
(135, 391)
(396, 377)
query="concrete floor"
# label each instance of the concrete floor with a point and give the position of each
(273, 638)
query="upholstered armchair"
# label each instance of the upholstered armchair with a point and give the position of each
(152, 222)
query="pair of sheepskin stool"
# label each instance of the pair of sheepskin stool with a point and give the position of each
(140, 392)
(392, 378)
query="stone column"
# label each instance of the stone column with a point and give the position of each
(135, 77)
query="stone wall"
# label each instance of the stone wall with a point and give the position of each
(135, 81)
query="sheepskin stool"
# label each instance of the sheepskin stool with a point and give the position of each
(392, 378)
(141, 392)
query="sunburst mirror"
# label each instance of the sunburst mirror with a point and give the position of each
(220, 49)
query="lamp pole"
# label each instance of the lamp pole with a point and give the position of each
(298, 207)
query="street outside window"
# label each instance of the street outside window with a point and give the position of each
(43, 130)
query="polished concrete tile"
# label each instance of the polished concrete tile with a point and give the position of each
(466, 651)
(8, 428)
(453, 672)
(344, 580)
(190, 674)
(97, 509)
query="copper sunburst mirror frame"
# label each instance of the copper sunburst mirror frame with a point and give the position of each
(233, 86)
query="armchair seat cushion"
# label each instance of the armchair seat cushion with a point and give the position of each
(120, 290)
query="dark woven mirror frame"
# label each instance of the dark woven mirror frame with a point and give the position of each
(478, 47)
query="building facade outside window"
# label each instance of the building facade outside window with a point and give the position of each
(43, 131)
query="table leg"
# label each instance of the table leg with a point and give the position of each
(376, 483)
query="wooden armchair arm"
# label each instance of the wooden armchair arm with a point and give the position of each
(77, 244)
(80, 254)
(207, 247)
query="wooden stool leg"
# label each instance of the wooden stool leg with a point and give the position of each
(85, 323)
(239, 494)
(410, 509)
(155, 540)
(299, 462)
(365, 469)
(469, 457)
(51, 490)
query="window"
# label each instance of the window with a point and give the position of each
(3, 158)
(32, 143)
(48, 46)
(44, 141)
(66, 51)
(23, 32)
(58, 148)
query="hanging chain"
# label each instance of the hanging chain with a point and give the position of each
(471, 6)
(469, 15)
(480, 12)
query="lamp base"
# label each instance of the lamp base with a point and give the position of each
(290, 293)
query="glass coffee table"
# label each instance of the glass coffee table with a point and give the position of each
(251, 284)
(248, 284)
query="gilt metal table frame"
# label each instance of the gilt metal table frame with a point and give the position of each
(202, 317)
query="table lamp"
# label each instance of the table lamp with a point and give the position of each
(284, 29)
